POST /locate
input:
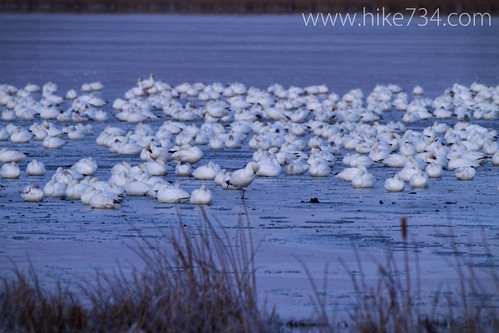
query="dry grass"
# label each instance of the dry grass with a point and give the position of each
(203, 280)
(26, 307)
(391, 304)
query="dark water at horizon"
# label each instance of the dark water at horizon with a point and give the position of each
(256, 50)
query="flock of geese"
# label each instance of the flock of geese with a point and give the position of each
(293, 131)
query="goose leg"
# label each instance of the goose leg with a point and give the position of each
(243, 194)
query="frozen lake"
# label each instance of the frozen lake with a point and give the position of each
(65, 239)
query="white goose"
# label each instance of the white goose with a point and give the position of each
(174, 194)
(85, 166)
(495, 159)
(10, 171)
(394, 184)
(201, 196)
(75, 189)
(54, 189)
(349, 174)
(35, 168)
(99, 200)
(268, 168)
(219, 178)
(465, 173)
(189, 154)
(434, 170)
(242, 178)
(7, 156)
(319, 169)
(419, 180)
(157, 167)
(52, 142)
(32, 193)
(363, 180)
(206, 172)
(21, 135)
(183, 169)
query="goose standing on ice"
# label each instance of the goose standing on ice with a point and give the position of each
(242, 178)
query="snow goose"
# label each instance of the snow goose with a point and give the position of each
(156, 167)
(137, 188)
(51, 142)
(54, 189)
(348, 174)
(201, 196)
(319, 169)
(7, 156)
(99, 200)
(175, 194)
(408, 171)
(242, 178)
(10, 171)
(216, 143)
(417, 91)
(489, 148)
(187, 153)
(87, 195)
(268, 168)
(183, 169)
(85, 166)
(119, 167)
(75, 190)
(4, 135)
(460, 161)
(465, 173)
(219, 178)
(296, 167)
(32, 193)
(433, 170)
(66, 175)
(21, 135)
(419, 180)
(363, 180)
(395, 161)
(206, 172)
(75, 133)
(495, 159)
(394, 184)
(35, 168)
